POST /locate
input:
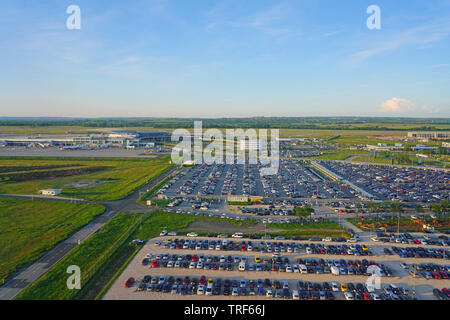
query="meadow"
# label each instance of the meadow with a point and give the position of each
(28, 228)
(113, 179)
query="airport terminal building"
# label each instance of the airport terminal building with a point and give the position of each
(116, 138)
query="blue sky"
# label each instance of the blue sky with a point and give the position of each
(205, 58)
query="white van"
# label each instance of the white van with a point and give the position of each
(238, 235)
(334, 270)
(303, 268)
(242, 266)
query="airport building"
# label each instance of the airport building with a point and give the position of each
(429, 135)
(117, 138)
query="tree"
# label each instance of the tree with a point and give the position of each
(419, 209)
(303, 211)
(396, 207)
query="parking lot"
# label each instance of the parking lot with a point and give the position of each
(293, 180)
(395, 182)
(308, 274)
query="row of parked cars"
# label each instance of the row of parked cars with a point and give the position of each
(268, 246)
(430, 271)
(339, 249)
(275, 264)
(443, 294)
(302, 290)
(418, 252)
(407, 238)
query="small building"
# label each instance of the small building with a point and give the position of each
(50, 192)
(237, 199)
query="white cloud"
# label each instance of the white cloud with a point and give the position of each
(428, 109)
(397, 105)
(424, 35)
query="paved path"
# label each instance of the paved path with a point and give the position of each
(33, 272)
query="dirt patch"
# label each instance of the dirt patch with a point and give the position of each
(4, 169)
(27, 176)
(86, 183)
(409, 226)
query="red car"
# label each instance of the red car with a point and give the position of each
(416, 241)
(155, 264)
(443, 275)
(130, 282)
(446, 292)
(436, 275)
(194, 258)
(202, 280)
(366, 296)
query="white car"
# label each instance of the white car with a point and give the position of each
(149, 255)
(192, 234)
(173, 233)
(375, 296)
(238, 235)
(163, 233)
(335, 287)
(295, 295)
(348, 296)
(327, 239)
(201, 289)
(375, 239)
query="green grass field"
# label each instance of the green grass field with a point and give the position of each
(29, 228)
(121, 178)
(322, 229)
(89, 256)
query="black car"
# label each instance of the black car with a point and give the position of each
(286, 293)
(439, 294)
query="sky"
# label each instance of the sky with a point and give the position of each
(225, 58)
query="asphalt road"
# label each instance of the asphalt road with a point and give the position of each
(33, 272)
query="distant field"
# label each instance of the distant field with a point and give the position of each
(340, 155)
(29, 228)
(106, 179)
(24, 130)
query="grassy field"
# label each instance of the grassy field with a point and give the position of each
(28, 228)
(90, 256)
(117, 179)
(321, 229)
(340, 154)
